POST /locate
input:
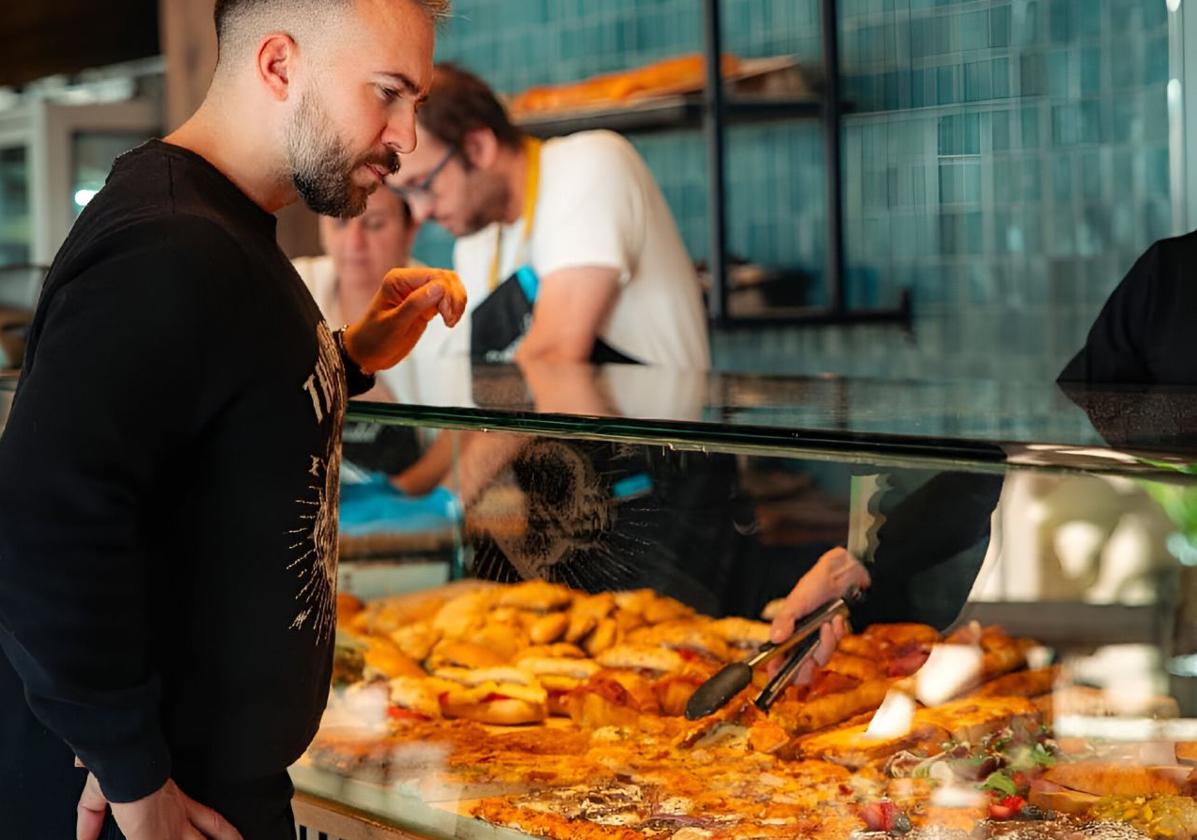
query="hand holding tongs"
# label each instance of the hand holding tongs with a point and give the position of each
(734, 678)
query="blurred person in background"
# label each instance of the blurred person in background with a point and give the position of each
(567, 248)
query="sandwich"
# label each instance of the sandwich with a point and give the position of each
(451, 654)
(645, 659)
(506, 703)
(415, 699)
(560, 677)
(383, 658)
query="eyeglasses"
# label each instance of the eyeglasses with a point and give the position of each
(422, 192)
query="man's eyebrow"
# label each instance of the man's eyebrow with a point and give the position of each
(405, 81)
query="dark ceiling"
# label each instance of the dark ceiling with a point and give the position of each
(45, 37)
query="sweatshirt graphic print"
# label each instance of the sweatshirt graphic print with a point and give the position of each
(316, 560)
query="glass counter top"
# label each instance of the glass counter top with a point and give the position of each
(975, 422)
(980, 423)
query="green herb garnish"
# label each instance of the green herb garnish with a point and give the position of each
(999, 782)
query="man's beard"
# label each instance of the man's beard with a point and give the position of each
(322, 168)
(490, 196)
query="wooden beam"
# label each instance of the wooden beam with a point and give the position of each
(65, 36)
(189, 46)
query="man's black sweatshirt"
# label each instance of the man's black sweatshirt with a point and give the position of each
(168, 500)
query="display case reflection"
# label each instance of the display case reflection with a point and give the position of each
(1013, 669)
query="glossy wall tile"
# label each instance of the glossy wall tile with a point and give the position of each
(1005, 160)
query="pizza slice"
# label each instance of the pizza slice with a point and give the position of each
(1020, 684)
(971, 719)
(855, 749)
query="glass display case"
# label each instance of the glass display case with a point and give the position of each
(577, 550)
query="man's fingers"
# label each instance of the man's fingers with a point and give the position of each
(424, 300)
(93, 807)
(453, 305)
(212, 824)
(92, 797)
(399, 283)
(89, 824)
(448, 312)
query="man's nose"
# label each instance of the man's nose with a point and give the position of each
(400, 133)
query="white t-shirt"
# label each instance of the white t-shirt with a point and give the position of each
(599, 206)
(319, 274)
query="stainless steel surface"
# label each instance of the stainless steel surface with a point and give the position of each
(787, 674)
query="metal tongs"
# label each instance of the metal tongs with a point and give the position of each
(801, 645)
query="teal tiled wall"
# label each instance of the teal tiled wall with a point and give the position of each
(1006, 161)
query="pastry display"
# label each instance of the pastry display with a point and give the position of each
(560, 714)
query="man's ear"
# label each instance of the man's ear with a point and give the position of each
(481, 148)
(277, 61)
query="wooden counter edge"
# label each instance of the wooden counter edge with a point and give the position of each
(322, 817)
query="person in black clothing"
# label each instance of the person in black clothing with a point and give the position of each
(932, 540)
(169, 469)
(1144, 334)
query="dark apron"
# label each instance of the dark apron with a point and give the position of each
(502, 320)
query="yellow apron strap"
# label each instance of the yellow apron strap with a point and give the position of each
(532, 148)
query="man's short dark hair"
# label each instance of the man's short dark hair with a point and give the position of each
(227, 11)
(460, 102)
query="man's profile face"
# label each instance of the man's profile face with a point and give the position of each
(461, 198)
(356, 110)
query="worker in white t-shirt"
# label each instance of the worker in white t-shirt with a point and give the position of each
(567, 248)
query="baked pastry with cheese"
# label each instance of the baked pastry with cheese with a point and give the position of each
(612, 698)
(499, 703)
(384, 658)
(559, 677)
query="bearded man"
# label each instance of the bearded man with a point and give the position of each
(169, 470)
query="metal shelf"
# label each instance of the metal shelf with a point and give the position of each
(719, 111)
(672, 113)
(826, 316)
(712, 111)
